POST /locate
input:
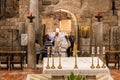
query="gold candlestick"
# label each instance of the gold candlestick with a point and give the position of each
(75, 51)
(75, 62)
(48, 67)
(59, 67)
(53, 66)
(98, 66)
(92, 66)
(103, 65)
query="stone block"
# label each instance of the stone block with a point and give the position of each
(118, 12)
(114, 23)
(119, 22)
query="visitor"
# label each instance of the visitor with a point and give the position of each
(47, 41)
(37, 47)
(69, 45)
(72, 40)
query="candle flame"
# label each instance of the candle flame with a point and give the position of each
(98, 13)
(31, 14)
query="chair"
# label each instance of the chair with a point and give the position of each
(16, 58)
(4, 59)
(112, 57)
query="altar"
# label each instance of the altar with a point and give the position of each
(83, 64)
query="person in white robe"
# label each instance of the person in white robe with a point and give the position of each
(57, 41)
(64, 46)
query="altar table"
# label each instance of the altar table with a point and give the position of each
(67, 63)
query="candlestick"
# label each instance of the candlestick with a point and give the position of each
(75, 62)
(92, 65)
(98, 66)
(53, 50)
(98, 17)
(48, 67)
(53, 66)
(30, 17)
(59, 66)
(93, 50)
(48, 50)
(103, 65)
(75, 51)
(103, 49)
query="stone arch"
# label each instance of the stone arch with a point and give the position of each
(74, 27)
(74, 18)
(72, 14)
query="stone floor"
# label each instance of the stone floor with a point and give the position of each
(22, 74)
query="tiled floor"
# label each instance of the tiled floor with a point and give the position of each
(17, 74)
(22, 74)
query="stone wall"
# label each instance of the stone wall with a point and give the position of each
(84, 10)
(10, 26)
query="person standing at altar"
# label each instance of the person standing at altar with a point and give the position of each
(47, 41)
(57, 40)
(72, 40)
(68, 48)
(64, 44)
(38, 52)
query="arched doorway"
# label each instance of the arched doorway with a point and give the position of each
(61, 20)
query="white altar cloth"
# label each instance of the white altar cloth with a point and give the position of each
(67, 63)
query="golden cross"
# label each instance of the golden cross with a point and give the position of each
(75, 51)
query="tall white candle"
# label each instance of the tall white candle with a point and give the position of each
(98, 50)
(52, 50)
(103, 49)
(48, 50)
(93, 50)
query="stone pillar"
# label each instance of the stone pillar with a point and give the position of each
(31, 46)
(76, 35)
(98, 27)
(34, 9)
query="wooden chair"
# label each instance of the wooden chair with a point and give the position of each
(16, 58)
(112, 57)
(4, 59)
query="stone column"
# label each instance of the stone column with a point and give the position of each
(34, 9)
(31, 46)
(98, 27)
(76, 35)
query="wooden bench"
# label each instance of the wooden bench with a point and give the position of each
(4, 59)
(112, 57)
(12, 58)
(16, 57)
